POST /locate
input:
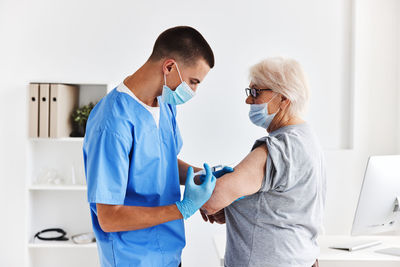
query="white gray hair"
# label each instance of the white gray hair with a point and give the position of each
(284, 76)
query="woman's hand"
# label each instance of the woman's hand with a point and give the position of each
(218, 217)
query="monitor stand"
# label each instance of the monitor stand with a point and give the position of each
(394, 251)
(397, 205)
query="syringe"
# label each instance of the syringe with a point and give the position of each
(213, 169)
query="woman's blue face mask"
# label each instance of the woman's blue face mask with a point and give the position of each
(182, 93)
(259, 114)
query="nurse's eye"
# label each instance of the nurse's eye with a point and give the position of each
(194, 81)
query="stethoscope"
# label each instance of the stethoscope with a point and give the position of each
(61, 237)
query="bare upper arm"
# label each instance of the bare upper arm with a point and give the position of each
(245, 180)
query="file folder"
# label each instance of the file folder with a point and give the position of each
(44, 92)
(33, 117)
(63, 101)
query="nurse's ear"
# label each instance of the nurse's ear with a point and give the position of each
(168, 66)
(173, 80)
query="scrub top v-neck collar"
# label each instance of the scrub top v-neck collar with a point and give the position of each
(154, 111)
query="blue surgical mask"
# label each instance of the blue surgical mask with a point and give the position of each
(259, 114)
(182, 93)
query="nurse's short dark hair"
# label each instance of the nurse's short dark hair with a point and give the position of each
(183, 43)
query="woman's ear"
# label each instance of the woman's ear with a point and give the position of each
(284, 102)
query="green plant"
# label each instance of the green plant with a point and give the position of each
(81, 115)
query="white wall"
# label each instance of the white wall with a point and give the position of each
(376, 116)
(398, 75)
(103, 41)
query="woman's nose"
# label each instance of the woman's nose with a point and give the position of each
(249, 100)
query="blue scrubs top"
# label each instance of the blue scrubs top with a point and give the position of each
(129, 161)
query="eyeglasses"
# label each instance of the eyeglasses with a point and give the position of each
(255, 92)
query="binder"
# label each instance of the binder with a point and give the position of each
(44, 107)
(63, 101)
(33, 117)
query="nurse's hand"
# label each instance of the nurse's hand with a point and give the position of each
(196, 195)
(222, 172)
(219, 173)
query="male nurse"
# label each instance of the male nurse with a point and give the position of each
(130, 154)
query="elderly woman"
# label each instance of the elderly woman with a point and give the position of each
(283, 178)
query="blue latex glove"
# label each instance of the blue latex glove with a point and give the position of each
(239, 198)
(222, 172)
(196, 195)
(219, 173)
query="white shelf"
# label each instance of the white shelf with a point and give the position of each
(65, 139)
(59, 244)
(64, 205)
(45, 187)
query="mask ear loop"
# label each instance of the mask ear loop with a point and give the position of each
(272, 97)
(180, 77)
(279, 108)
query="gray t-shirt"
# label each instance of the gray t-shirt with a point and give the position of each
(278, 225)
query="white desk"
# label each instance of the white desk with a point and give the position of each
(338, 258)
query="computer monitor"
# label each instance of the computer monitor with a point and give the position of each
(378, 205)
